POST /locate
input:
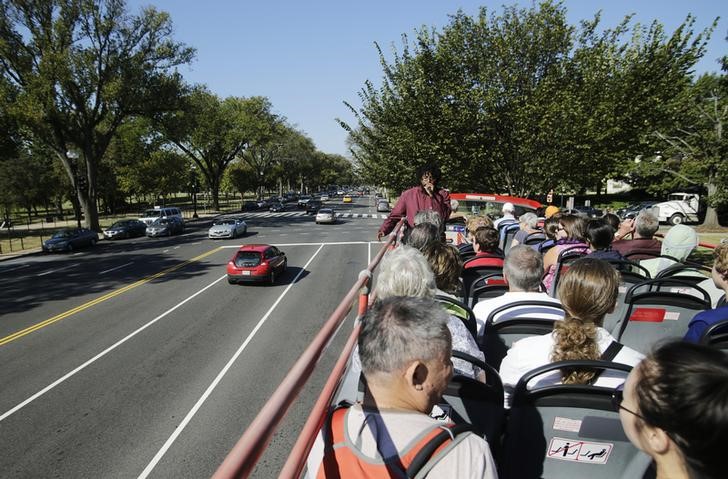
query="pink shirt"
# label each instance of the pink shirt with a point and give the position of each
(413, 200)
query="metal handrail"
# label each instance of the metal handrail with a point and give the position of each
(243, 457)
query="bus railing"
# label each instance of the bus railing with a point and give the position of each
(243, 457)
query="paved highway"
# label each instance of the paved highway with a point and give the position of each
(137, 359)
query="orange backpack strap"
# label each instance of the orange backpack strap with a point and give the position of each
(336, 450)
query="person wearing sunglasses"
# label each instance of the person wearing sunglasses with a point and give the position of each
(674, 407)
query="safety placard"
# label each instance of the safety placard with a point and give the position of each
(579, 451)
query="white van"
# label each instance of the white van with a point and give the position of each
(151, 215)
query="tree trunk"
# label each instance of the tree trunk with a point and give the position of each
(711, 215)
(215, 192)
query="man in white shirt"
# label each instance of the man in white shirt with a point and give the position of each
(522, 269)
(508, 211)
(404, 348)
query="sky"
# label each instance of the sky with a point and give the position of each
(309, 56)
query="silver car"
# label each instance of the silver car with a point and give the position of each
(165, 227)
(326, 215)
(227, 228)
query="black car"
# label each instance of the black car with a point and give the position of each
(125, 229)
(633, 210)
(588, 211)
(250, 206)
(165, 227)
(276, 207)
(313, 206)
(69, 239)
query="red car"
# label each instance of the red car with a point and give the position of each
(256, 262)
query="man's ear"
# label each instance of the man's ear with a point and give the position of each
(416, 374)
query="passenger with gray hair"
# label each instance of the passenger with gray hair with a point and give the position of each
(405, 347)
(522, 270)
(643, 229)
(422, 236)
(404, 271)
(528, 222)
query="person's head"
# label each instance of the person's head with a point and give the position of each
(613, 221)
(551, 226)
(646, 224)
(675, 407)
(528, 222)
(599, 234)
(475, 222)
(404, 272)
(446, 264)
(430, 173)
(428, 216)
(550, 211)
(454, 205)
(422, 235)
(405, 348)
(679, 242)
(508, 208)
(571, 227)
(486, 239)
(588, 291)
(523, 269)
(720, 266)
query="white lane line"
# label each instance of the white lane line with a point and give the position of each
(104, 353)
(76, 254)
(176, 247)
(118, 267)
(165, 251)
(178, 430)
(13, 269)
(57, 270)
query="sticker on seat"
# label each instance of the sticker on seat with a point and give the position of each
(584, 452)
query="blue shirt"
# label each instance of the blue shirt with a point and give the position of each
(703, 321)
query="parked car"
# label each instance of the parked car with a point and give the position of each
(262, 203)
(630, 211)
(347, 199)
(303, 200)
(250, 206)
(324, 197)
(588, 211)
(277, 207)
(69, 239)
(125, 229)
(325, 215)
(165, 227)
(256, 262)
(227, 228)
(383, 206)
(313, 206)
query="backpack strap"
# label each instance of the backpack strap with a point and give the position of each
(611, 352)
(428, 451)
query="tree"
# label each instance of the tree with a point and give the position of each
(80, 68)
(241, 177)
(213, 132)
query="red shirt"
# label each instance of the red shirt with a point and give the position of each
(413, 200)
(651, 245)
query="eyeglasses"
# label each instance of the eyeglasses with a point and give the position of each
(617, 397)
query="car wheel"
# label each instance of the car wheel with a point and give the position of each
(676, 219)
(230, 280)
(285, 265)
(233, 235)
(69, 248)
(245, 231)
(93, 242)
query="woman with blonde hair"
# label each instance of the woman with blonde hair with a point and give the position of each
(570, 234)
(588, 292)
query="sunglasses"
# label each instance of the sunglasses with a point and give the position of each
(618, 397)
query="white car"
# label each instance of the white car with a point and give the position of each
(227, 228)
(326, 215)
(383, 206)
(324, 198)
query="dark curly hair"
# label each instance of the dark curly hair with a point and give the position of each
(430, 168)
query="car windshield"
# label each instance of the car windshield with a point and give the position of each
(149, 213)
(224, 222)
(63, 234)
(325, 212)
(247, 258)
(121, 224)
(162, 221)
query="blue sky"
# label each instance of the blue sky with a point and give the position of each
(308, 57)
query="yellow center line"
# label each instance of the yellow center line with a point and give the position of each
(77, 309)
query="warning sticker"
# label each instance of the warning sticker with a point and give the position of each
(566, 424)
(650, 315)
(672, 315)
(579, 451)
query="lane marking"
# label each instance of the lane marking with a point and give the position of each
(57, 270)
(13, 269)
(165, 251)
(178, 430)
(77, 309)
(118, 267)
(103, 353)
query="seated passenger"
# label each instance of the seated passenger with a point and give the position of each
(642, 229)
(446, 265)
(678, 243)
(422, 235)
(551, 231)
(474, 222)
(674, 407)
(522, 270)
(570, 234)
(704, 320)
(404, 272)
(508, 211)
(588, 292)
(487, 252)
(404, 346)
(528, 222)
(599, 236)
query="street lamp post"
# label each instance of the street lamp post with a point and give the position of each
(194, 191)
(72, 155)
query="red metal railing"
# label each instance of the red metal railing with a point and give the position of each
(243, 457)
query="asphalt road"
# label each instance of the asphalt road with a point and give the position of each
(137, 359)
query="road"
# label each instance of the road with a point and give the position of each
(137, 359)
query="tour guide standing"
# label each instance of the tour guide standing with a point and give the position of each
(426, 196)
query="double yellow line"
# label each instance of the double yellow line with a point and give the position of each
(101, 299)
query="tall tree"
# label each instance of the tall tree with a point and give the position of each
(80, 67)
